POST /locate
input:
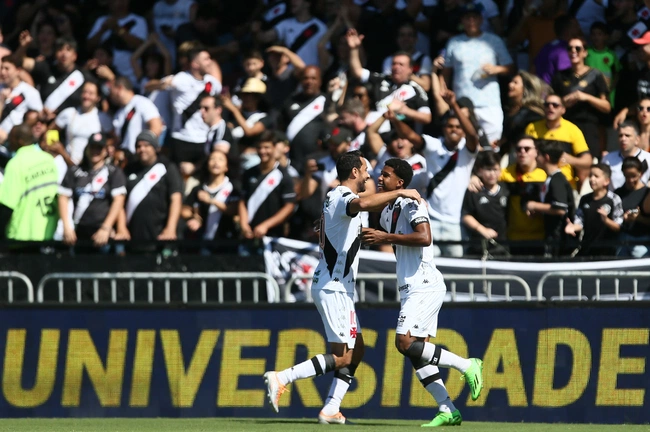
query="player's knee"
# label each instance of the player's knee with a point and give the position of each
(402, 343)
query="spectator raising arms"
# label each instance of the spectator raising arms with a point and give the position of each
(98, 191)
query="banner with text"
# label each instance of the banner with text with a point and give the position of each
(541, 364)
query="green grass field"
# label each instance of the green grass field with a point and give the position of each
(283, 425)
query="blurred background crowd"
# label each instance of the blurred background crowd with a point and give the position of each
(527, 123)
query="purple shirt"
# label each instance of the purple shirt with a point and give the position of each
(552, 58)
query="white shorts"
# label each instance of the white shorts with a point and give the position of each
(419, 313)
(340, 320)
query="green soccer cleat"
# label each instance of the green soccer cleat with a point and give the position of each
(445, 419)
(474, 377)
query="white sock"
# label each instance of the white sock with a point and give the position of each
(446, 358)
(337, 391)
(302, 370)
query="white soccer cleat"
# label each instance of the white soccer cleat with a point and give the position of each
(337, 418)
(274, 389)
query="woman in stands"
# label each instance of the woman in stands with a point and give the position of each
(636, 226)
(209, 207)
(643, 117)
(585, 94)
(525, 105)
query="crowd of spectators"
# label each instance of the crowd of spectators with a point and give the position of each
(527, 123)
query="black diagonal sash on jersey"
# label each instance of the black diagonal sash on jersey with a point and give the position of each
(13, 103)
(397, 210)
(194, 106)
(262, 192)
(304, 37)
(416, 62)
(444, 172)
(125, 126)
(67, 87)
(217, 136)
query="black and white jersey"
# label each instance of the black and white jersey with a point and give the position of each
(79, 126)
(216, 224)
(340, 240)
(631, 200)
(266, 194)
(489, 209)
(595, 229)
(21, 99)
(615, 162)
(186, 95)
(385, 90)
(302, 37)
(217, 133)
(275, 12)
(415, 267)
(149, 195)
(132, 24)
(132, 119)
(446, 201)
(557, 192)
(92, 193)
(421, 64)
(59, 90)
(418, 163)
(302, 117)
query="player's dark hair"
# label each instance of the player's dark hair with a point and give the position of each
(629, 124)
(604, 168)
(64, 41)
(632, 162)
(554, 149)
(266, 136)
(194, 52)
(13, 60)
(402, 169)
(346, 162)
(123, 82)
(253, 54)
(405, 54)
(487, 159)
(216, 101)
(600, 26)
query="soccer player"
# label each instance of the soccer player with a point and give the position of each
(333, 286)
(422, 291)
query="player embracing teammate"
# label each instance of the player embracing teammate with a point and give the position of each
(422, 289)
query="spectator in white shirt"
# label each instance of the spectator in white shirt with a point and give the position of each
(16, 98)
(136, 113)
(125, 32)
(421, 63)
(79, 123)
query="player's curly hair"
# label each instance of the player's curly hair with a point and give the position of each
(402, 169)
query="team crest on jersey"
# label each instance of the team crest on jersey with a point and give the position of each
(607, 208)
(503, 201)
(294, 107)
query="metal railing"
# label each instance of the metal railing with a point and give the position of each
(597, 276)
(450, 279)
(206, 284)
(10, 276)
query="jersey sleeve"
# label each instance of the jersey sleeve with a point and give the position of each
(11, 188)
(578, 142)
(118, 183)
(559, 197)
(530, 130)
(192, 199)
(415, 213)
(345, 201)
(63, 119)
(601, 85)
(149, 110)
(287, 189)
(66, 188)
(468, 205)
(503, 56)
(431, 144)
(174, 180)
(617, 212)
(579, 218)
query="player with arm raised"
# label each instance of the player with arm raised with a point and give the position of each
(422, 291)
(333, 286)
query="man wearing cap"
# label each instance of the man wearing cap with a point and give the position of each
(473, 61)
(397, 90)
(154, 200)
(28, 191)
(136, 114)
(97, 190)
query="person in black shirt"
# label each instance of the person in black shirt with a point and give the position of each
(599, 214)
(485, 212)
(636, 227)
(268, 195)
(210, 206)
(154, 200)
(98, 191)
(585, 94)
(556, 198)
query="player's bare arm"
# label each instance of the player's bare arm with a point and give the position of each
(420, 237)
(378, 201)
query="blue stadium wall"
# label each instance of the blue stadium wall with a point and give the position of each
(542, 364)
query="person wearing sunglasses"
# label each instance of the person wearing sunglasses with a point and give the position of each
(584, 92)
(576, 160)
